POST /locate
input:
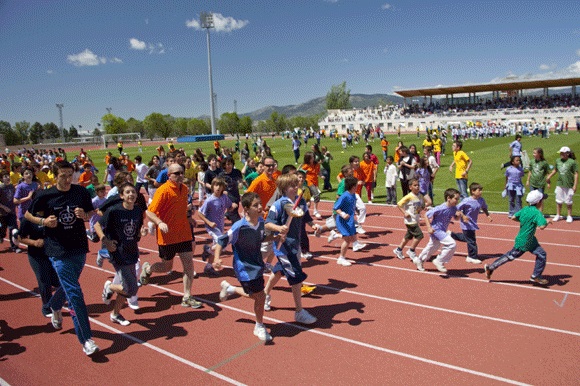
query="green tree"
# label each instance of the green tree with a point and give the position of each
(197, 126)
(338, 97)
(180, 126)
(50, 130)
(97, 132)
(245, 125)
(156, 124)
(229, 123)
(21, 130)
(36, 133)
(113, 124)
(135, 126)
(277, 123)
(73, 132)
(9, 134)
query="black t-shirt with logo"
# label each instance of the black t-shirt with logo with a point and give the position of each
(124, 226)
(69, 237)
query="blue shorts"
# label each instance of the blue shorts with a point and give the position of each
(253, 286)
(128, 278)
(290, 267)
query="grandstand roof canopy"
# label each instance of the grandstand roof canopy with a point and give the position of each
(488, 87)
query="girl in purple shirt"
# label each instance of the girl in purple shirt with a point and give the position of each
(514, 185)
(438, 219)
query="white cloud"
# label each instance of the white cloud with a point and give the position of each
(85, 58)
(546, 67)
(49, 72)
(88, 58)
(386, 6)
(220, 22)
(572, 71)
(137, 44)
(153, 48)
(578, 52)
(331, 1)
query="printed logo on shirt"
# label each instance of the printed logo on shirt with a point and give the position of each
(67, 217)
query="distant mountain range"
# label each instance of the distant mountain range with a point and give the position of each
(318, 106)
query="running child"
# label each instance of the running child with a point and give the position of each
(411, 206)
(538, 171)
(212, 214)
(287, 250)
(246, 236)
(438, 219)
(529, 218)
(369, 169)
(345, 207)
(514, 185)
(98, 201)
(567, 170)
(391, 181)
(471, 207)
(312, 169)
(120, 231)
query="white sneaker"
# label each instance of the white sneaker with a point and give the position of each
(133, 303)
(557, 218)
(333, 235)
(358, 246)
(307, 255)
(569, 219)
(399, 254)
(344, 262)
(369, 202)
(56, 319)
(90, 347)
(317, 215)
(412, 255)
(267, 306)
(107, 293)
(419, 264)
(439, 265)
(119, 319)
(473, 261)
(360, 230)
(224, 291)
(262, 334)
(304, 317)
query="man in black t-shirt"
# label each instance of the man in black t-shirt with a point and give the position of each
(62, 210)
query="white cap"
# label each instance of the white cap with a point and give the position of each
(564, 149)
(535, 196)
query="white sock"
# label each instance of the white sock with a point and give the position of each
(231, 290)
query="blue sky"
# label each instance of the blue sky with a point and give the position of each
(142, 56)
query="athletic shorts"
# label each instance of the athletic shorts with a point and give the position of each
(563, 195)
(266, 247)
(330, 223)
(413, 232)
(253, 286)
(128, 278)
(168, 252)
(315, 193)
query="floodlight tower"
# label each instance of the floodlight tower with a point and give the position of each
(109, 109)
(59, 106)
(206, 19)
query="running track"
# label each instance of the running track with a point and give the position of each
(380, 321)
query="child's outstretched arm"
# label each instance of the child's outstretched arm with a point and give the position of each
(202, 217)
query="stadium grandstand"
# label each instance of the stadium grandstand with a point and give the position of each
(551, 100)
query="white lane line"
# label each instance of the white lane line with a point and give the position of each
(450, 276)
(148, 345)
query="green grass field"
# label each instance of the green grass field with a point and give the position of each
(487, 156)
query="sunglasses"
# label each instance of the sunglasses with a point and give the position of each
(177, 173)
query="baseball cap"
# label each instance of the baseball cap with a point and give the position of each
(535, 196)
(564, 149)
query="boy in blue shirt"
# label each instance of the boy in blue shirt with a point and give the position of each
(283, 220)
(529, 218)
(246, 236)
(471, 207)
(345, 224)
(438, 219)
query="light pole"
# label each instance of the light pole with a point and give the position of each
(59, 106)
(206, 19)
(109, 109)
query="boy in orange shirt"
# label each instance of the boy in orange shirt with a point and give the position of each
(369, 168)
(312, 169)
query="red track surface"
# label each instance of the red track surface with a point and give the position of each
(379, 321)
